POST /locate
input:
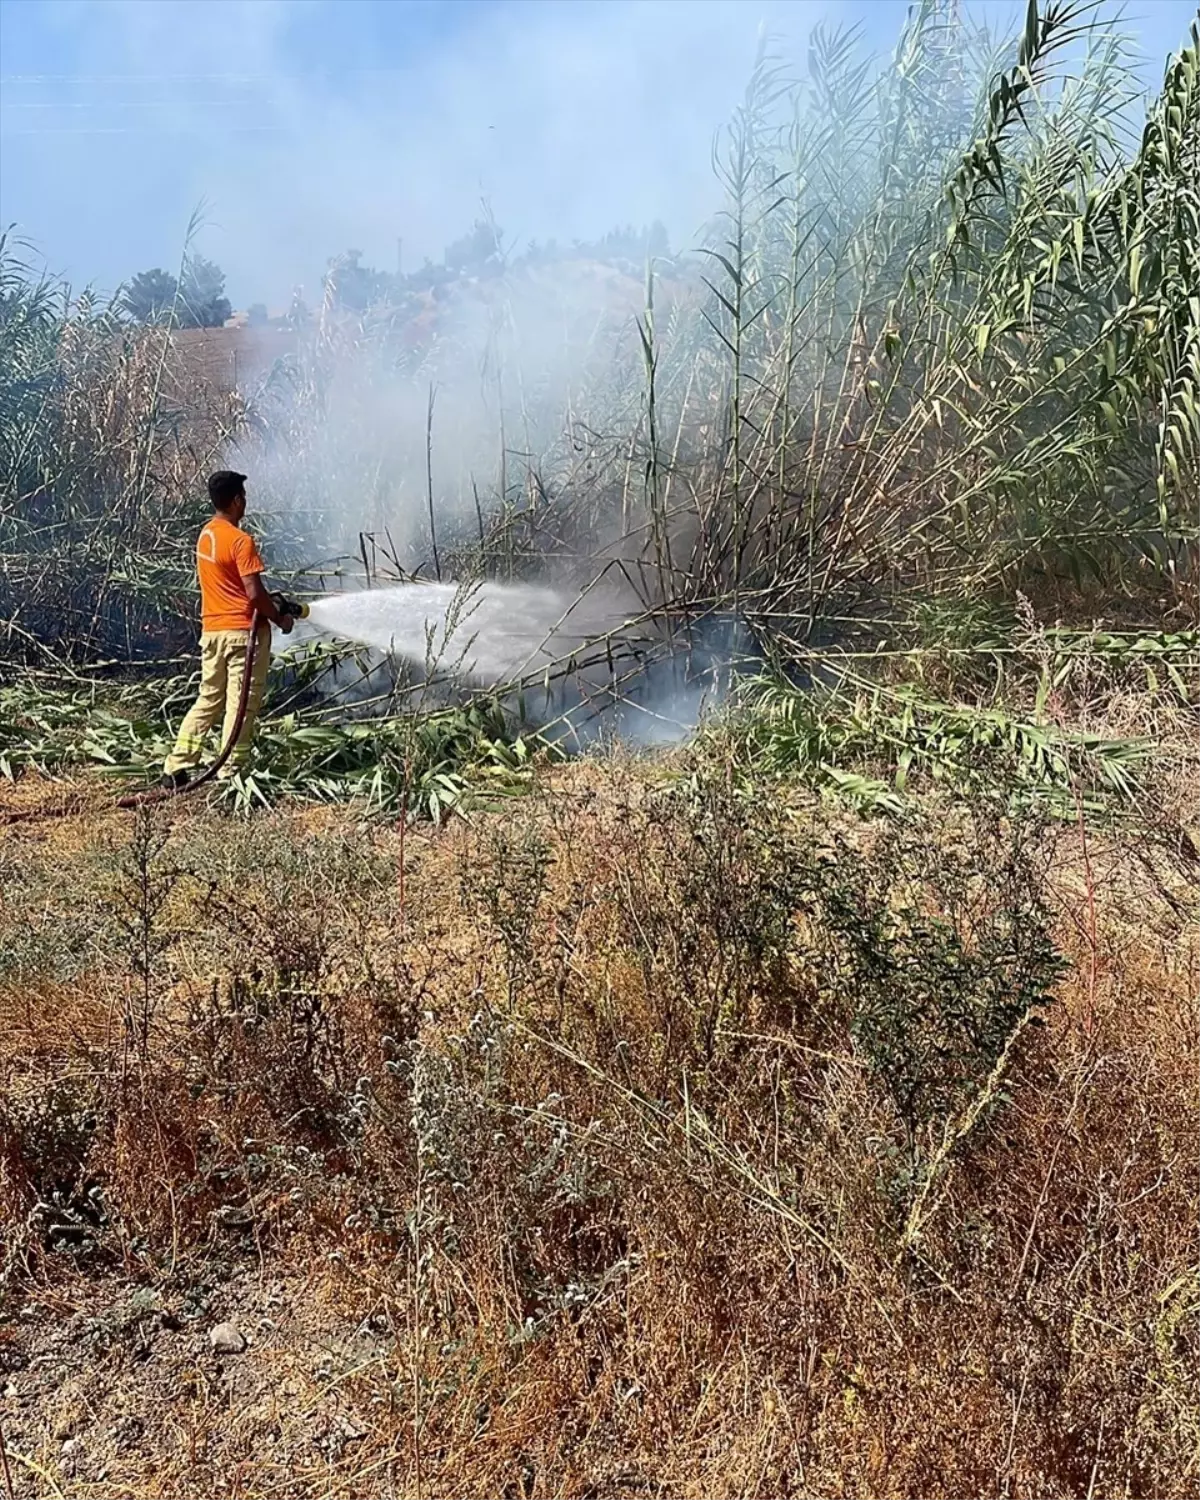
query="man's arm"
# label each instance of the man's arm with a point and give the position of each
(264, 605)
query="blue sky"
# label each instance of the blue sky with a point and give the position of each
(309, 126)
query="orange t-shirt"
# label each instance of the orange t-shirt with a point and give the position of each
(225, 555)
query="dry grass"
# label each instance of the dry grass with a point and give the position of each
(526, 1173)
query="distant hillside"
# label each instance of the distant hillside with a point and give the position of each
(239, 355)
(231, 358)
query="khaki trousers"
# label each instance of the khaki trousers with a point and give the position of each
(222, 663)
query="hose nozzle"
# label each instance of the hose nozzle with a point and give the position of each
(291, 607)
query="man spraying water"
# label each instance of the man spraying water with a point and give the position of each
(233, 603)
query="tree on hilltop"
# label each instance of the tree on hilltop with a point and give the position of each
(476, 252)
(202, 294)
(199, 300)
(150, 296)
(354, 286)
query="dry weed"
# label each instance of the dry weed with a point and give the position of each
(566, 1175)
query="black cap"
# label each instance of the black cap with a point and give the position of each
(224, 487)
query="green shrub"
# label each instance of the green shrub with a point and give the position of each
(936, 953)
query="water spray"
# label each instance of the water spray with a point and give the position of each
(487, 631)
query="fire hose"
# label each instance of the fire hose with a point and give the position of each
(164, 793)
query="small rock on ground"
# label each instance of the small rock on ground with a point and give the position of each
(226, 1338)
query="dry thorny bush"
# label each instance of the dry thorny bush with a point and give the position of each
(670, 1139)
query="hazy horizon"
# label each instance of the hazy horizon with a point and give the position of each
(308, 128)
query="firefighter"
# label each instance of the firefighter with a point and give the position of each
(233, 601)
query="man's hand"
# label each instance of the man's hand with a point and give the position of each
(264, 605)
